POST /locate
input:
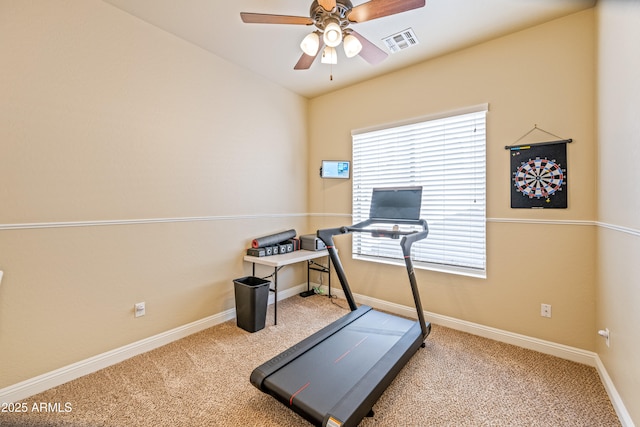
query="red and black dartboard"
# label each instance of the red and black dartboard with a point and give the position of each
(539, 176)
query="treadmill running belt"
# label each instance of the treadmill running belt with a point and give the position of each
(318, 380)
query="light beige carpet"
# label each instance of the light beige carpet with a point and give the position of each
(203, 380)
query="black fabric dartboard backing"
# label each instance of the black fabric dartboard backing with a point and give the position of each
(539, 176)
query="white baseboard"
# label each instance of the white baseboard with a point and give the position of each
(30, 387)
(547, 347)
(24, 389)
(616, 400)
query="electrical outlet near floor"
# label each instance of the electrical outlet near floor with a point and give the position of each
(139, 309)
(545, 310)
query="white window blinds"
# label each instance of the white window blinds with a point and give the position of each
(446, 156)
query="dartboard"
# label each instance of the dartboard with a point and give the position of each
(539, 178)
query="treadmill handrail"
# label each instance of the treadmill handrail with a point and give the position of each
(363, 227)
(409, 237)
(371, 221)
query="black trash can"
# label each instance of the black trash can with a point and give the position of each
(252, 295)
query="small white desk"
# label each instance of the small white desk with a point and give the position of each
(279, 261)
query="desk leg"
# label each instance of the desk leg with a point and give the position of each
(329, 274)
(308, 292)
(321, 268)
(275, 294)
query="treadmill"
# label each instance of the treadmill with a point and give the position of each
(334, 377)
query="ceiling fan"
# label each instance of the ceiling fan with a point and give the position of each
(332, 19)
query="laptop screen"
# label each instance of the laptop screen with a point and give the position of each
(396, 203)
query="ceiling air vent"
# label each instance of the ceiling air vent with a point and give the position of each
(400, 41)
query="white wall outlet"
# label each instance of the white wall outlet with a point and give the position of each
(604, 333)
(1, 273)
(545, 310)
(139, 309)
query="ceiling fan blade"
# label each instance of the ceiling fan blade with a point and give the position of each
(370, 52)
(374, 9)
(327, 5)
(265, 18)
(305, 60)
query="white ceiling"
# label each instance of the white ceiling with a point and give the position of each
(272, 50)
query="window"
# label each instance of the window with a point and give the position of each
(446, 156)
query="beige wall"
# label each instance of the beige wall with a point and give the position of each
(106, 119)
(545, 76)
(618, 290)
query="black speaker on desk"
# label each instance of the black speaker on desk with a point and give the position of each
(311, 243)
(256, 252)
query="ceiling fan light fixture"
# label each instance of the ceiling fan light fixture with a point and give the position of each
(332, 19)
(329, 55)
(332, 34)
(310, 44)
(352, 46)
